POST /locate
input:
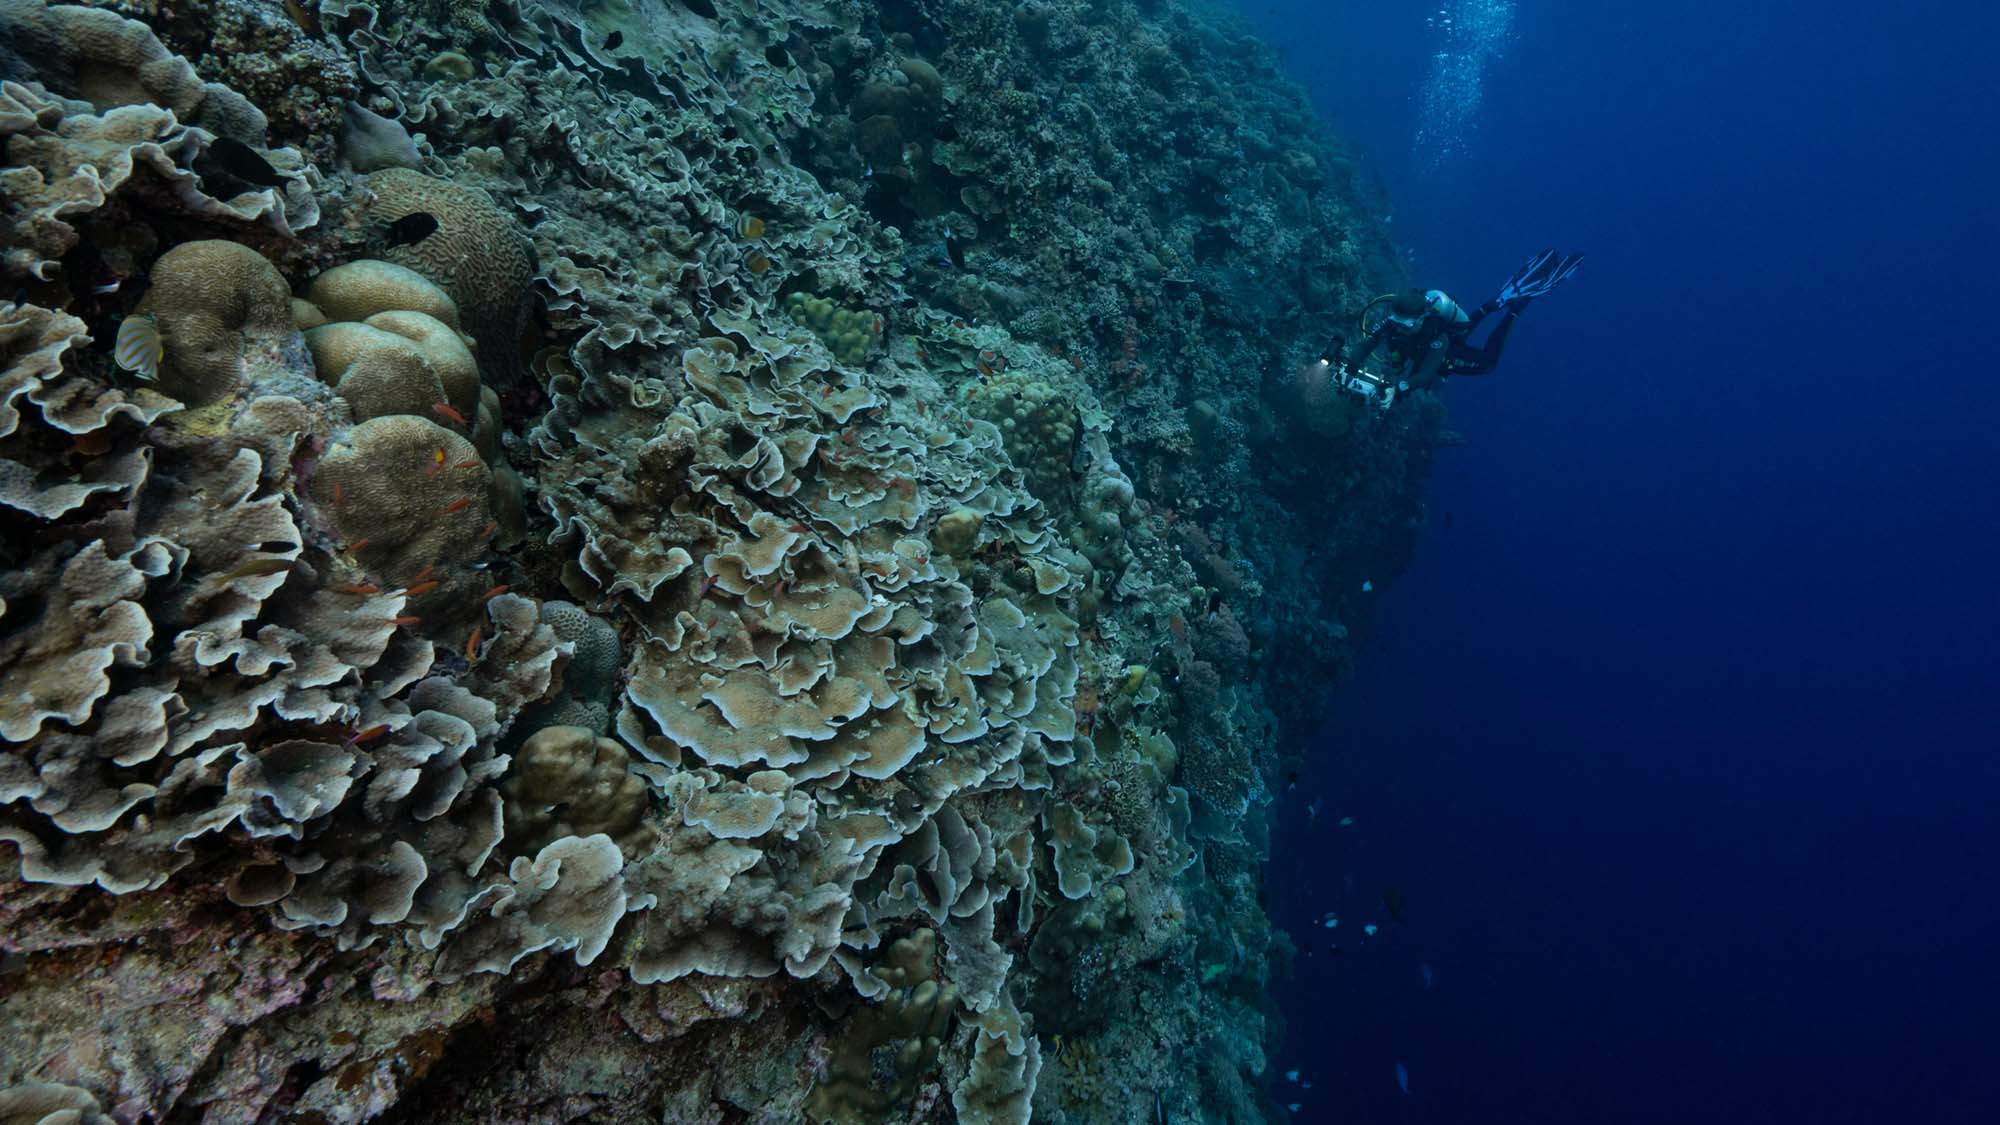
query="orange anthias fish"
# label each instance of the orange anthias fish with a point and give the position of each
(368, 735)
(444, 410)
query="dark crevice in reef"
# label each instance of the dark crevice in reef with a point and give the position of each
(692, 561)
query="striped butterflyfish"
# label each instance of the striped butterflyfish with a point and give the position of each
(139, 349)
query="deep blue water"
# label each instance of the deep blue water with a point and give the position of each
(1682, 737)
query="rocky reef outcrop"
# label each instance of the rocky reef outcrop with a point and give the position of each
(662, 560)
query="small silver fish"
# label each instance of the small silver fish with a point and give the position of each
(139, 348)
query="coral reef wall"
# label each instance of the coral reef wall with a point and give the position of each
(687, 560)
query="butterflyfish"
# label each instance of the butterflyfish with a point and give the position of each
(139, 348)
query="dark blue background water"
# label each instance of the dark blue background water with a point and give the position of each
(1682, 737)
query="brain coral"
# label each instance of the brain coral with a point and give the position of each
(477, 254)
(406, 494)
(224, 313)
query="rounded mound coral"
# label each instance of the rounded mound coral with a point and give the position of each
(956, 531)
(1039, 425)
(220, 307)
(405, 494)
(383, 381)
(847, 333)
(359, 290)
(336, 346)
(443, 349)
(567, 781)
(486, 423)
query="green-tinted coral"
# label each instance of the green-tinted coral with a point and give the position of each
(847, 333)
(1038, 423)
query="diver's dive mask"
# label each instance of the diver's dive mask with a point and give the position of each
(1408, 313)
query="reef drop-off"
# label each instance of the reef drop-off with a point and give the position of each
(679, 561)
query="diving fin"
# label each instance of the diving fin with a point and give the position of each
(1542, 273)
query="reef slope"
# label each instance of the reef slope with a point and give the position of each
(656, 560)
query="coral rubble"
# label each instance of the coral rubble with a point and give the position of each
(741, 557)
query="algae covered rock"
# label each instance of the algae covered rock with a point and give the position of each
(370, 142)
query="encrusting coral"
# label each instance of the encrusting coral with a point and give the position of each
(728, 568)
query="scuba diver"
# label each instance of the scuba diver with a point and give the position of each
(1428, 334)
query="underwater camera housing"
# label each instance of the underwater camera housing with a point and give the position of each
(1368, 385)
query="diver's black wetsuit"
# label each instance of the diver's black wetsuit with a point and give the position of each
(1441, 347)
